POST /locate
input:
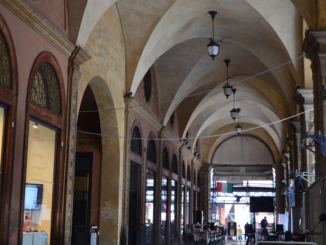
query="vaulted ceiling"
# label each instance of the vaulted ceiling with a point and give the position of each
(256, 35)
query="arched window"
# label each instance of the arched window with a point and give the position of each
(165, 158)
(198, 179)
(136, 144)
(151, 153)
(45, 88)
(194, 176)
(175, 164)
(188, 172)
(5, 71)
(183, 170)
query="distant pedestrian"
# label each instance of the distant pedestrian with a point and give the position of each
(239, 231)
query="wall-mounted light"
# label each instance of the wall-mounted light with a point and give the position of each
(227, 87)
(212, 47)
(35, 125)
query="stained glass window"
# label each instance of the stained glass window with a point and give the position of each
(136, 144)
(45, 88)
(5, 74)
(151, 153)
(183, 170)
(175, 164)
(188, 173)
(165, 158)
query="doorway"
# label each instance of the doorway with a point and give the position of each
(134, 201)
(82, 192)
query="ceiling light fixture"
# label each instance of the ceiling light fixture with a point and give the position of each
(227, 87)
(234, 112)
(212, 47)
(238, 128)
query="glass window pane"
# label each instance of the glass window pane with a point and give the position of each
(174, 206)
(2, 138)
(194, 208)
(182, 211)
(150, 206)
(40, 177)
(188, 207)
(164, 204)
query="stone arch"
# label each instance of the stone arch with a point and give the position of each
(110, 199)
(152, 148)
(136, 144)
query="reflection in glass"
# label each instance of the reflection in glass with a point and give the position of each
(174, 199)
(149, 206)
(182, 211)
(2, 140)
(194, 208)
(164, 203)
(40, 181)
(188, 207)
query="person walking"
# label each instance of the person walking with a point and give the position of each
(239, 231)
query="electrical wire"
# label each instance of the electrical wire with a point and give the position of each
(199, 137)
(204, 92)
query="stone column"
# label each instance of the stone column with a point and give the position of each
(280, 200)
(286, 166)
(205, 191)
(296, 130)
(314, 47)
(78, 57)
(305, 99)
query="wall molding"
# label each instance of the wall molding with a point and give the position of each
(41, 25)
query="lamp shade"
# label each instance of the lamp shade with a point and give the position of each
(238, 129)
(227, 90)
(234, 113)
(213, 49)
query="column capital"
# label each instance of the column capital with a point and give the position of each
(303, 96)
(314, 43)
(295, 126)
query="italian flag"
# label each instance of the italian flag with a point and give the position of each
(224, 187)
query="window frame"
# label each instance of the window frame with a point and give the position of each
(38, 112)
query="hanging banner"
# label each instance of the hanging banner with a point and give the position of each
(292, 193)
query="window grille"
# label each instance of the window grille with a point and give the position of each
(45, 88)
(5, 72)
(136, 144)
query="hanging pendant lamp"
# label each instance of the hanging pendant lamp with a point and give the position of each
(227, 87)
(212, 47)
(238, 128)
(234, 112)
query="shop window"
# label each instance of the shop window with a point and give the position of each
(173, 216)
(188, 207)
(164, 205)
(175, 164)
(165, 158)
(136, 144)
(150, 207)
(45, 88)
(188, 173)
(40, 182)
(2, 142)
(198, 179)
(151, 153)
(5, 72)
(182, 211)
(183, 170)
